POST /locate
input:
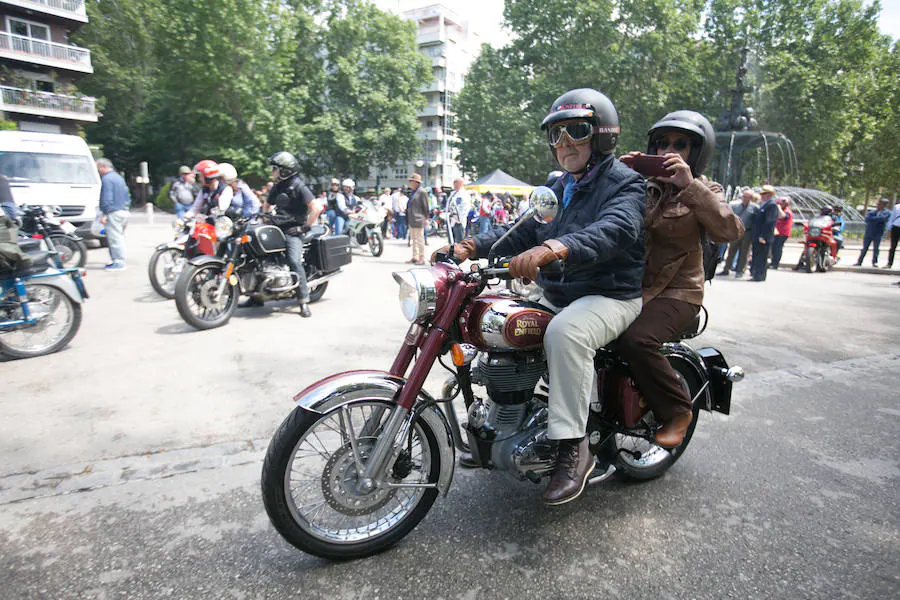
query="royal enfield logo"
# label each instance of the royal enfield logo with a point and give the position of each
(526, 327)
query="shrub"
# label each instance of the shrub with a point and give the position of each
(162, 200)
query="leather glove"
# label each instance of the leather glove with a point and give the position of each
(461, 252)
(526, 265)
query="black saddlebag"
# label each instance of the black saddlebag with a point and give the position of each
(332, 252)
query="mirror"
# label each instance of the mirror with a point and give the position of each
(545, 204)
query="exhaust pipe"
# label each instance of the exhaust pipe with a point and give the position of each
(732, 374)
(322, 279)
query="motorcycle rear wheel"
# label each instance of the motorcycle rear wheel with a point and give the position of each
(655, 460)
(309, 477)
(376, 244)
(316, 293)
(821, 267)
(810, 256)
(164, 269)
(194, 299)
(72, 253)
(52, 307)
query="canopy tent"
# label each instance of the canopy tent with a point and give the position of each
(499, 182)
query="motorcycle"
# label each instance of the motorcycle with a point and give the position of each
(40, 306)
(365, 454)
(364, 228)
(820, 248)
(43, 223)
(437, 223)
(251, 260)
(193, 238)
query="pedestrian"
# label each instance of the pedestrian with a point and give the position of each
(6, 200)
(459, 203)
(417, 216)
(402, 202)
(337, 208)
(523, 206)
(763, 233)
(782, 230)
(485, 208)
(745, 209)
(876, 221)
(384, 202)
(114, 203)
(501, 215)
(893, 225)
(183, 191)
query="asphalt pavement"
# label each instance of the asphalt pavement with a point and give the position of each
(131, 460)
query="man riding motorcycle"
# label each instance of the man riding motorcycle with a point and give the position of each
(599, 235)
(213, 190)
(336, 208)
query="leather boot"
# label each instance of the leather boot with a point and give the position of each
(672, 433)
(574, 463)
(304, 310)
(467, 461)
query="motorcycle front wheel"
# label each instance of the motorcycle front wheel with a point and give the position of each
(821, 264)
(163, 270)
(198, 299)
(376, 244)
(810, 256)
(58, 319)
(311, 471)
(72, 253)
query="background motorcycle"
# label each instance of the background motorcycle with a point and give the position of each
(40, 307)
(252, 261)
(193, 238)
(362, 458)
(364, 228)
(437, 223)
(820, 248)
(42, 222)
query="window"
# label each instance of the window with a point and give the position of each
(399, 172)
(43, 86)
(33, 36)
(33, 167)
(429, 123)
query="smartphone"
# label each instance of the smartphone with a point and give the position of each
(650, 165)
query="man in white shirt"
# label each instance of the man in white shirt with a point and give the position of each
(459, 203)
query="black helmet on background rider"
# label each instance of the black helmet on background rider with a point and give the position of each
(826, 210)
(696, 127)
(583, 104)
(286, 163)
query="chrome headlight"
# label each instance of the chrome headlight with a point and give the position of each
(815, 232)
(177, 225)
(418, 293)
(224, 227)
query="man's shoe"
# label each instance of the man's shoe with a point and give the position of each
(874, 265)
(859, 264)
(574, 463)
(738, 275)
(723, 273)
(115, 267)
(467, 461)
(251, 302)
(672, 433)
(304, 311)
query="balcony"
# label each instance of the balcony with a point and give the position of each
(49, 54)
(435, 85)
(429, 38)
(431, 110)
(46, 104)
(66, 9)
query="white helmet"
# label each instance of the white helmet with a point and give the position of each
(229, 173)
(348, 183)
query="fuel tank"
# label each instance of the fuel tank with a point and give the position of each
(504, 323)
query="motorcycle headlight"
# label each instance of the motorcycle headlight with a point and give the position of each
(224, 227)
(177, 225)
(815, 232)
(418, 293)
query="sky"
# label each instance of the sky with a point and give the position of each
(489, 15)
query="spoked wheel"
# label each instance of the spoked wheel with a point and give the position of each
(376, 244)
(645, 460)
(202, 301)
(72, 253)
(58, 319)
(311, 477)
(165, 267)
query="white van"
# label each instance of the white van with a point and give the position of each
(52, 169)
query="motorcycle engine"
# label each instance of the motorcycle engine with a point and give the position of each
(277, 279)
(510, 377)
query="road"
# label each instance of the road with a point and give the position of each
(131, 459)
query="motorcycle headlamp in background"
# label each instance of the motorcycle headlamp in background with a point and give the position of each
(224, 227)
(418, 293)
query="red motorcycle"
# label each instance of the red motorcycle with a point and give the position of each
(193, 238)
(820, 248)
(365, 454)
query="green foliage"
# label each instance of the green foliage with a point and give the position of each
(162, 200)
(7, 125)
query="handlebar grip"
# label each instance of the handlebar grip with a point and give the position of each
(553, 268)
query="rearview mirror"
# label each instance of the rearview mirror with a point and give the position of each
(545, 204)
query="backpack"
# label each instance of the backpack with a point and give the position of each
(11, 256)
(712, 255)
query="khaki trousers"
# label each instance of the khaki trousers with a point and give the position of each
(570, 343)
(417, 236)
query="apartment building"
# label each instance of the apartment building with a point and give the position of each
(451, 46)
(39, 66)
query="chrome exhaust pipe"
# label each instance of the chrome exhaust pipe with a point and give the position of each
(314, 282)
(732, 374)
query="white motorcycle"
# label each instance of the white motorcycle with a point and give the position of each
(364, 227)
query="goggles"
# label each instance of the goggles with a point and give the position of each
(578, 132)
(664, 143)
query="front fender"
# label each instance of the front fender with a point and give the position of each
(342, 388)
(681, 352)
(61, 281)
(173, 245)
(206, 259)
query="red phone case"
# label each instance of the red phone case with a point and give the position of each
(650, 165)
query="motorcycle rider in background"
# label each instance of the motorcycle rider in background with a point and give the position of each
(213, 190)
(336, 208)
(296, 212)
(837, 228)
(351, 199)
(244, 203)
(599, 235)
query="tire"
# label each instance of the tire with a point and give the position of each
(345, 538)
(15, 342)
(656, 460)
(376, 244)
(317, 292)
(810, 254)
(820, 260)
(164, 282)
(72, 253)
(194, 297)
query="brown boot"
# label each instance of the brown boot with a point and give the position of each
(672, 433)
(574, 464)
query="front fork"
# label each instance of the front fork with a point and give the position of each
(230, 260)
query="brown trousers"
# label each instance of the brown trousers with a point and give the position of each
(661, 320)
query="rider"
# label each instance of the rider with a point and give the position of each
(336, 208)
(837, 227)
(297, 211)
(599, 235)
(679, 208)
(244, 203)
(214, 191)
(347, 187)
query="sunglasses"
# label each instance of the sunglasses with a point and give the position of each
(577, 132)
(678, 144)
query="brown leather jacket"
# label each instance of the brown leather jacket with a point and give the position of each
(673, 255)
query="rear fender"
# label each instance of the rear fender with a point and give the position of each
(721, 378)
(681, 355)
(342, 388)
(61, 281)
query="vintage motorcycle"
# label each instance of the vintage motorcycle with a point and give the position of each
(251, 260)
(365, 454)
(193, 237)
(43, 223)
(364, 228)
(820, 247)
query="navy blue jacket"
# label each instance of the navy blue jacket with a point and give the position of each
(876, 221)
(764, 220)
(603, 228)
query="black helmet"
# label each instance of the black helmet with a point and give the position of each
(697, 127)
(286, 163)
(592, 106)
(826, 210)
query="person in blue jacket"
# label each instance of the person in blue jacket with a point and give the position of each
(763, 227)
(876, 221)
(114, 203)
(599, 235)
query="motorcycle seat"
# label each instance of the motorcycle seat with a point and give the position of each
(37, 263)
(29, 245)
(315, 231)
